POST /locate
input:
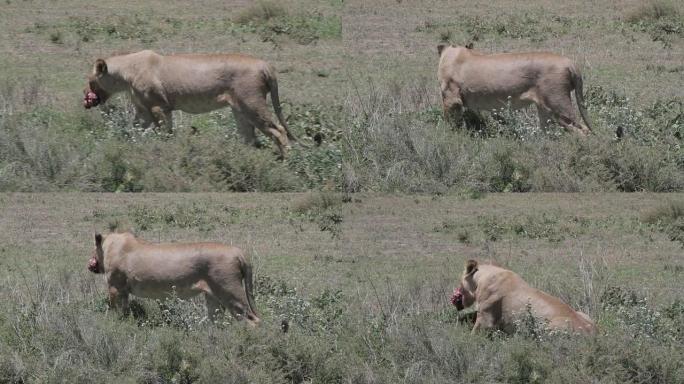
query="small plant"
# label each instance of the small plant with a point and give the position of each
(638, 317)
(260, 12)
(668, 218)
(530, 326)
(323, 313)
(448, 226)
(445, 35)
(56, 37)
(463, 236)
(323, 209)
(271, 20)
(492, 227)
(330, 222)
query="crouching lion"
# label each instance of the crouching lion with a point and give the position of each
(479, 82)
(134, 266)
(193, 83)
(502, 297)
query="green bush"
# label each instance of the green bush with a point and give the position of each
(270, 19)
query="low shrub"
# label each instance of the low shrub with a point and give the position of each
(668, 218)
(270, 20)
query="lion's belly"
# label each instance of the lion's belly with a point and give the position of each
(487, 101)
(159, 288)
(197, 104)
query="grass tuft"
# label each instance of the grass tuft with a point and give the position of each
(652, 10)
(260, 12)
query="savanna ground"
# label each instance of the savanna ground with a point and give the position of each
(363, 263)
(364, 281)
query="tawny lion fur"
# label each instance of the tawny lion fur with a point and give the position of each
(134, 266)
(193, 83)
(502, 297)
(477, 81)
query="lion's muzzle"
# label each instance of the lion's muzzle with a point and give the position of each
(94, 265)
(90, 99)
(457, 299)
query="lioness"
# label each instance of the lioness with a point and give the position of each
(502, 297)
(193, 83)
(133, 266)
(479, 81)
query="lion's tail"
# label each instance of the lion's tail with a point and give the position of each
(272, 82)
(246, 269)
(576, 78)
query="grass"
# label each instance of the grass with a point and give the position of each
(270, 19)
(662, 20)
(370, 126)
(357, 240)
(260, 12)
(399, 142)
(370, 305)
(653, 10)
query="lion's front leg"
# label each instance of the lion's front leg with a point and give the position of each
(484, 321)
(163, 118)
(452, 104)
(118, 300)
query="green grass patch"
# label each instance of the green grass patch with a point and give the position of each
(534, 26)
(272, 20)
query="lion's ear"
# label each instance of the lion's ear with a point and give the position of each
(98, 240)
(100, 67)
(471, 267)
(440, 48)
(470, 45)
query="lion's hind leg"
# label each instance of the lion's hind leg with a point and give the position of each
(232, 296)
(560, 106)
(273, 130)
